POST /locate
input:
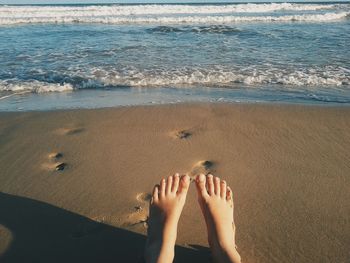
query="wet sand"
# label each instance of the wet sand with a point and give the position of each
(74, 185)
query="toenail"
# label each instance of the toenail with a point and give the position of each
(201, 177)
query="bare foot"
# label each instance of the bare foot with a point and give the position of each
(166, 205)
(215, 200)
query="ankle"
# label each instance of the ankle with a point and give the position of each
(226, 254)
(157, 252)
(222, 242)
(233, 255)
(226, 251)
(167, 253)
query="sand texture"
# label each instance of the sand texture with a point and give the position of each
(74, 185)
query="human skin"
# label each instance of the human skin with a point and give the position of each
(168, 200)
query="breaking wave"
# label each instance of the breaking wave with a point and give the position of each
(153, 9)
(34, 86)
(178, 19)
(170, 14)
(186, 77)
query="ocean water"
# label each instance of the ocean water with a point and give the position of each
(88, 56)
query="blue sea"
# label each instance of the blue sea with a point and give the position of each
(90, 56)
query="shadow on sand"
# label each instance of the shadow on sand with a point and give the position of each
(44, 233)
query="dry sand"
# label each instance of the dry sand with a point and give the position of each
(289, 168)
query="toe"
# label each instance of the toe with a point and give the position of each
(200, 185)
(184, 184)
(217, 186)
(155, 194)
(175, 183)
(223, 189)
(229, 194)
(162, 188)
(210, 184)
(169, 184)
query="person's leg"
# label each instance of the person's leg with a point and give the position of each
(166, 205)
(215, 200)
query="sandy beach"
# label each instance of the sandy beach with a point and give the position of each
(75, 184)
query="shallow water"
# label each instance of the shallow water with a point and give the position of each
(139, 54)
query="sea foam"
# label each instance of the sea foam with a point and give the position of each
(167, 14)
(179, 19)
(185, 77)
(125, 10)
(34, 86)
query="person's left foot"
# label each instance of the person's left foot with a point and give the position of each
(166, 205)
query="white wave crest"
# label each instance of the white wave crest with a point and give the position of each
(181, 77)
(34, 86)
(177, 19)
(223, 77)
(127, 10)
(167, 14)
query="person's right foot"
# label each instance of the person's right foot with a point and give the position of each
(215, 200)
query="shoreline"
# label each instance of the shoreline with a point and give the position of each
(288, 167)
(107, 98)
(317, 105)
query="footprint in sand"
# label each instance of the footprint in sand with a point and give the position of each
(143, 197)
(69, 131)
(60, 166)
(139, 215)
(202, 167)
(55, 156)
(54, 163)
(183, 134)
